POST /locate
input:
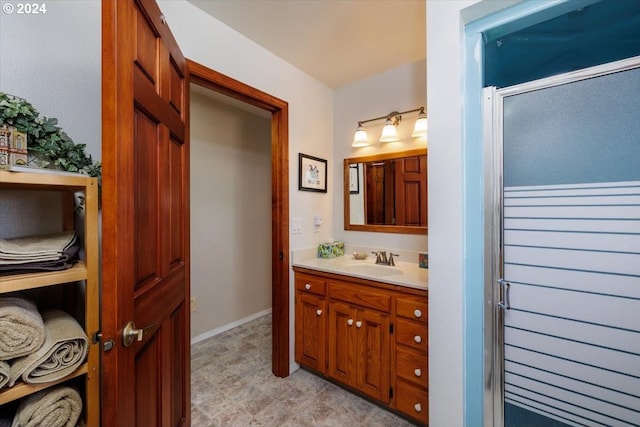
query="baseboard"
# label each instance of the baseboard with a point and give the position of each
(224, 328)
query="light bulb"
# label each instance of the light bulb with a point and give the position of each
(360, 139)
(389, 133)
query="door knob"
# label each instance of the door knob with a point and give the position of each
(130, 333)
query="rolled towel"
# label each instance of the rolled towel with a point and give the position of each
(55, 407)
(5, 373)
(21, 327)
(63, 351)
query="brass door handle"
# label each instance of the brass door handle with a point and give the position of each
(130, 333)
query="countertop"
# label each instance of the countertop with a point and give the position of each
(403, 273)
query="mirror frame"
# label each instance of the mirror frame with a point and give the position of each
(402, 229)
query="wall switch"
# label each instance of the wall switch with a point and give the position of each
(296, 225)
(193, 304)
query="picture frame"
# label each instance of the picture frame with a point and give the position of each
(354, 179)
(312, 173)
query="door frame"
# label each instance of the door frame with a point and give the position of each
(218, 82)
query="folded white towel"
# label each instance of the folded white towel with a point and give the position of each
(63, 351)
(55, 407)
(21, 327)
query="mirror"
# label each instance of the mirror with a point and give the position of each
(386, 192)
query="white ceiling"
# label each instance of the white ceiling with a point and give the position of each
(336, 41)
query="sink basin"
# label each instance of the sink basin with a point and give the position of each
(373, 270)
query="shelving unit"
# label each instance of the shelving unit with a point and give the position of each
(86, 271)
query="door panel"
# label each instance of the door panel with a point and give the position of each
(570, 255)
(411, 191)
(373, 354)
(342, 343)
(146, 209)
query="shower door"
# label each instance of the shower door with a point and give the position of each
(563, 249)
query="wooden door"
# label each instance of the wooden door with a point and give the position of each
(342, 343)
(145, 219)
(310, 331)
(373, 354)
(411, 191)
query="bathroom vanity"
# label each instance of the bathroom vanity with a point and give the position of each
(364, 326)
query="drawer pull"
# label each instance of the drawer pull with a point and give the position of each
(318, 312)
(350, 322)
(417, 339)
(307, 286)
(418, 407)
(418, 372)
(417, 313)
(358, 324)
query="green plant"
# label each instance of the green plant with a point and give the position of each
(49, 146)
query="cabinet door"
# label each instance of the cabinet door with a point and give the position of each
(310, 331)
(342, 342)
(373, 354)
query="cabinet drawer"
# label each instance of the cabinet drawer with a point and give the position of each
(412, 366)
(413, 307)
(413, 401)
(311, 284)
(412, 334)
(363, 296)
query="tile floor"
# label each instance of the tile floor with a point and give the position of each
(232, 385)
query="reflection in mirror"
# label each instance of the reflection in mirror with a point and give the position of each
(386, 192)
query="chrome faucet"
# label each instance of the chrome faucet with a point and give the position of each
(381, 257)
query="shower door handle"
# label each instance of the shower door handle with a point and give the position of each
(503, 301)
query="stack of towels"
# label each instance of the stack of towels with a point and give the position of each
(50, 252)
(39, 348)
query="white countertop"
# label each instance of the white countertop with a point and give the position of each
(402, 274)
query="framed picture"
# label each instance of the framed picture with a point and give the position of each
(354, 179)
(312, 173)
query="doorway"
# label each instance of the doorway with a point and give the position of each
(212, 80)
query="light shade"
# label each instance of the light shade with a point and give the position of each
(389, 133)
(360, 139)
(420, 128)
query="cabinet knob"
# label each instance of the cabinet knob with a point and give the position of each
(307, 286)
(418, 407)
(417, 313)
(417, 339)
(358, 324)
(350, 322)
(318, 312)
(418, 372)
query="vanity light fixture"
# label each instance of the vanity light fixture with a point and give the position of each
(389, 133)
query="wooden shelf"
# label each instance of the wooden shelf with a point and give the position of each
(20, 282)
(67, 184)
(22, 389)
(42, 180)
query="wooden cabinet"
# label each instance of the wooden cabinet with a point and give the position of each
(358, 340)
(310, 322)
(63, 282)
(373, 338)
(411, 350)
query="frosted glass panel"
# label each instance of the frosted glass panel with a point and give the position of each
(582, 132)
(571, 253)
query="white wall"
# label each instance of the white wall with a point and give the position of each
(53, 61)
(444, 85)
(230, 213)
(400, 89)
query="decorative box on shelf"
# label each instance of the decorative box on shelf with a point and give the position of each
(330, 250)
